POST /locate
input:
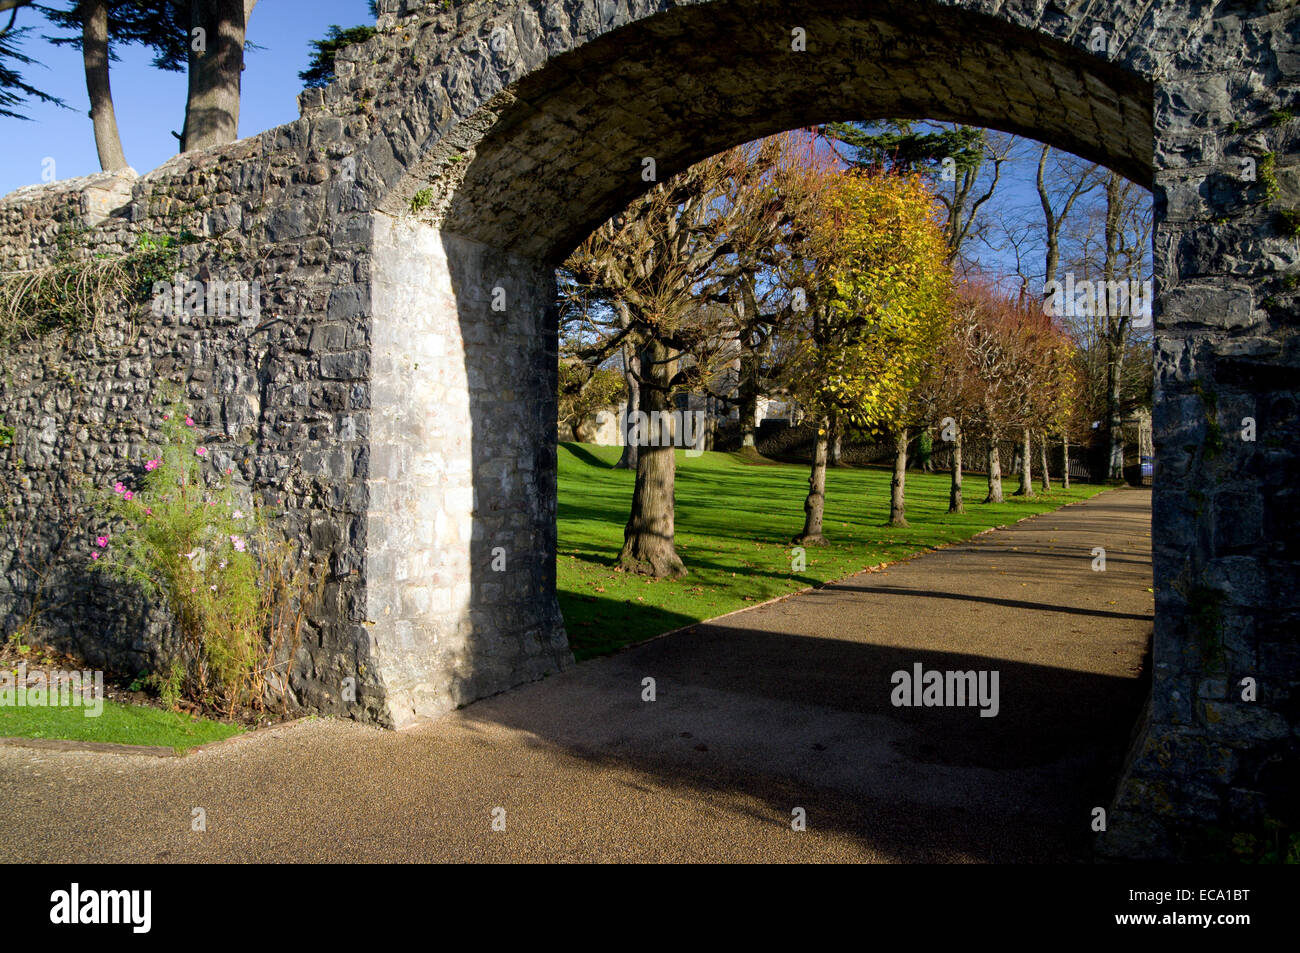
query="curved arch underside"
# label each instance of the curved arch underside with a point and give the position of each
(562, 149)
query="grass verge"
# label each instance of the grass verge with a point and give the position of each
(117, 724)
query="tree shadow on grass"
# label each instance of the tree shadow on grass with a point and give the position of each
(586, 456)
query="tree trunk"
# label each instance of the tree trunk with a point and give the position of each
(837, 442)
(897, 502)
(1065, 462)
(648, 537)
(631, 374)
(995, 473)
(1046, 477)
(814, 507)
(1116, 327)
(954, 495)
(1114, 416)
(1026, 488)
(94, 54)
(748, 400)
(215, 72)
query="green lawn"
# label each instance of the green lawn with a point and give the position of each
(735, 521)
(116, 724)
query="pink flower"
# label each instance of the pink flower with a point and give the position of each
(101, 541)
(148, 512)
(189, 421)
(127, 495)
(94, 555)
(167, 416)
(229, 471)
(118, 487)
(238, 543)
(200, 452)
(152, 464)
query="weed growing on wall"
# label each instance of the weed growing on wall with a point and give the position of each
(238, 594)
(75, 292)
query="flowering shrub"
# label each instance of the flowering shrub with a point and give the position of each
(238, 595)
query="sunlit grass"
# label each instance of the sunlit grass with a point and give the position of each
(116, 724)
(734, 525)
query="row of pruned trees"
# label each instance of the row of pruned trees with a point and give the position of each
(1004, 369)
(777, 269)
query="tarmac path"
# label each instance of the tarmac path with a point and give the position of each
(782, 706)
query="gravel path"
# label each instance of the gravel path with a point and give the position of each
(783, 706)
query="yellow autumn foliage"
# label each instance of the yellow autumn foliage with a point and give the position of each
(886, 296)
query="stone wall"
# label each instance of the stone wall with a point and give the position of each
(460, 550)
(408, 424)
(277, 397)
(1224, 538)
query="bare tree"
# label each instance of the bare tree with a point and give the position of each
(1079, 179)
(655, 264)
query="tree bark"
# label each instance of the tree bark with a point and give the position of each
(648, 546)
(748, 399)
(215, 73)
(954, 495)
(897, 486)
(1114, 416)
(1116, 327)
(994, 473)
(94, 54)
(1046, 477)
(631, 374)
(1026, 487)
(1065, 462)
(814, 506)
(837, 442)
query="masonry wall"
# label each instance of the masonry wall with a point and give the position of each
(279, 397)
(1219, 755)
(461, 542)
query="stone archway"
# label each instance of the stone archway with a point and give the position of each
(405, 230)
(549, 117)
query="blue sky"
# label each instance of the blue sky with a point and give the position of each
(150, 103)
